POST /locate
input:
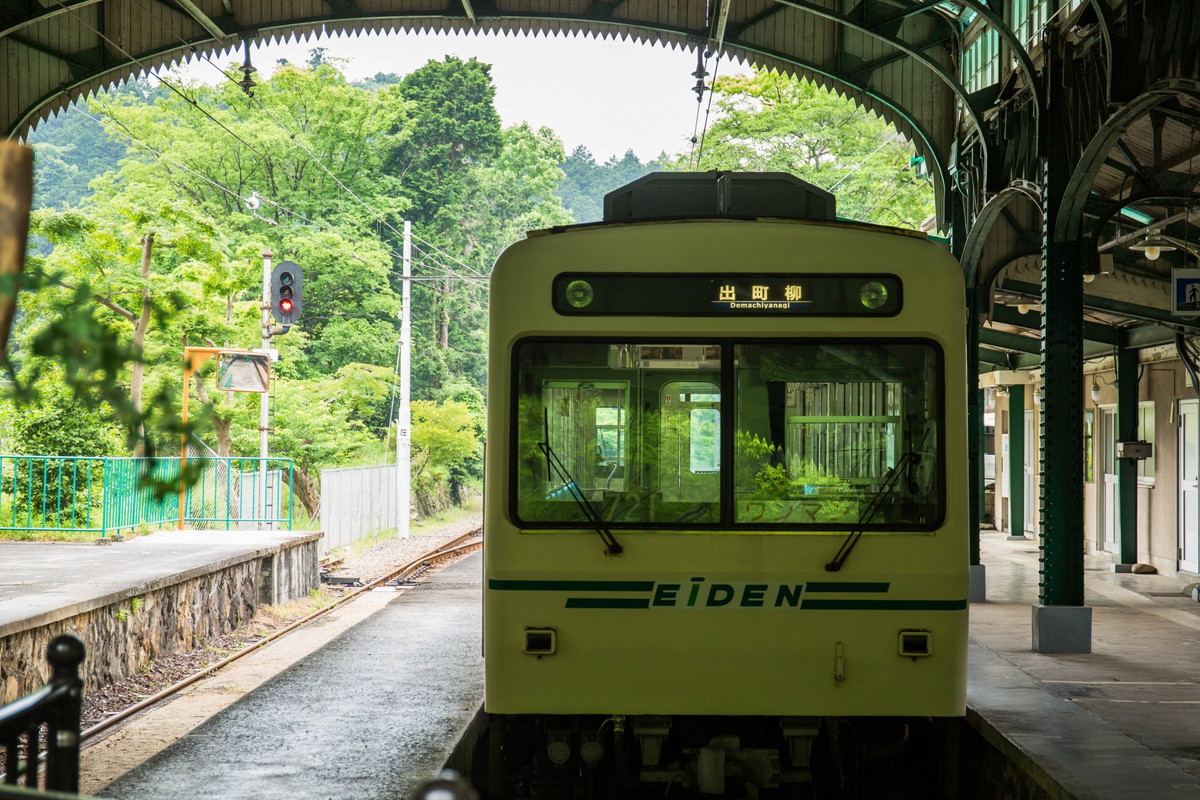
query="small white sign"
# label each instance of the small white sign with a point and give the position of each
(1185, 292)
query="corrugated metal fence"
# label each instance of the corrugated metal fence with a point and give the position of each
(357, 502)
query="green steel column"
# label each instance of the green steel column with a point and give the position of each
(1061, 430)
(974, 429)
(1015, 461)
(1127, 431)
(1060, 439)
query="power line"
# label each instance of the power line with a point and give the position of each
(163, 81)
(700, 73)
(308, 152)
(447, 273)
(231, 192)
(438, 250)
(284, 209)
(291, 136)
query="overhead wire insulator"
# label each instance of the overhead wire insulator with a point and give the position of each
(700, 74)
(247, 83)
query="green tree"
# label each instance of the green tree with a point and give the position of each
(455, 125)
(72, 149)
(313, 423)
(443, 440)
(772, 122)
(585, 182)
(311, 146)
(58, 424)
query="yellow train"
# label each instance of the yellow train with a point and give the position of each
(725, 504)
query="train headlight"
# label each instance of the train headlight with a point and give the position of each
(873, 295)
(579, 294)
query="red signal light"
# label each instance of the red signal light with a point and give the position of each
(285, 306)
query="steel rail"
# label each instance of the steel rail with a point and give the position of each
(457, 546)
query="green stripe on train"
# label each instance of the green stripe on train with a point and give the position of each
(570, 586)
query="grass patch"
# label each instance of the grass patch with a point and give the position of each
(49, 536)
(448, 517)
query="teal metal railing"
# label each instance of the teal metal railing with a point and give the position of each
(109, 495)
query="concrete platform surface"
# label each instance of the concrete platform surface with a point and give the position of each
(42, 582)
(374, 713)
(1119, 722)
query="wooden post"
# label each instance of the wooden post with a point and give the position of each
(16, 197)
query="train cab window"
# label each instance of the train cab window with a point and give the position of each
(799, 435)
(632, 429)
(838, 434)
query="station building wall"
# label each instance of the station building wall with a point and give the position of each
(1163, 389)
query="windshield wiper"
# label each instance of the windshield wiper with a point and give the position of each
(889, 482)
(553, 464)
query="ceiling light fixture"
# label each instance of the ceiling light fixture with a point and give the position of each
(1153, 245)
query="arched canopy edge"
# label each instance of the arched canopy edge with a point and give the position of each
(975, 249)
(1070, 218)
(890, 109)
(926, 141)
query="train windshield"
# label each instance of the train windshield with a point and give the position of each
(701, 435)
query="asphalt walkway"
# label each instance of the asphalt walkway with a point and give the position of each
(373, 714)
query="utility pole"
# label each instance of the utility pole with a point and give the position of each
(264, 407)
(404, 419)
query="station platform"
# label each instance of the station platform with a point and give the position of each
(1119, 722)
(136, 600)
(48, 581)
(374, 712)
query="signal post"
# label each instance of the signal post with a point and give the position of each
(282, 288)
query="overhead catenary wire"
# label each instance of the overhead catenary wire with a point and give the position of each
(293, 137)
(152, 73)
(708, 109)
(699, 133)
(221, 187)
(418, 280)
(438, 250)
(450, 274)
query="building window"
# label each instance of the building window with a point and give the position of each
(1089, 431)
(1145, 466)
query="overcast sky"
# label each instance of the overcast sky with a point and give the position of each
(609, 96)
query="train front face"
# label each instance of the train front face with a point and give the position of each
(766, 420)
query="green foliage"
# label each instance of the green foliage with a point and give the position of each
(444, 442)
(428, 147)
(313, 423)
(772, 122)
(58, 424)
(454, 124)
(70, 151)
(585, 182)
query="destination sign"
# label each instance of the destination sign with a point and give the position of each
(733, 294)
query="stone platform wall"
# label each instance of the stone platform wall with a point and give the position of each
(123, 636)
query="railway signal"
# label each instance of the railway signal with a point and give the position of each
(287, 280)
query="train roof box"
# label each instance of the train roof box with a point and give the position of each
(680, 195)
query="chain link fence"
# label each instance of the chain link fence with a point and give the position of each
(234, 493)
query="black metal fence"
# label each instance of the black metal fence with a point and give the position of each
(44, 727)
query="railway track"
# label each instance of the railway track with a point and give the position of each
(468, 542)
